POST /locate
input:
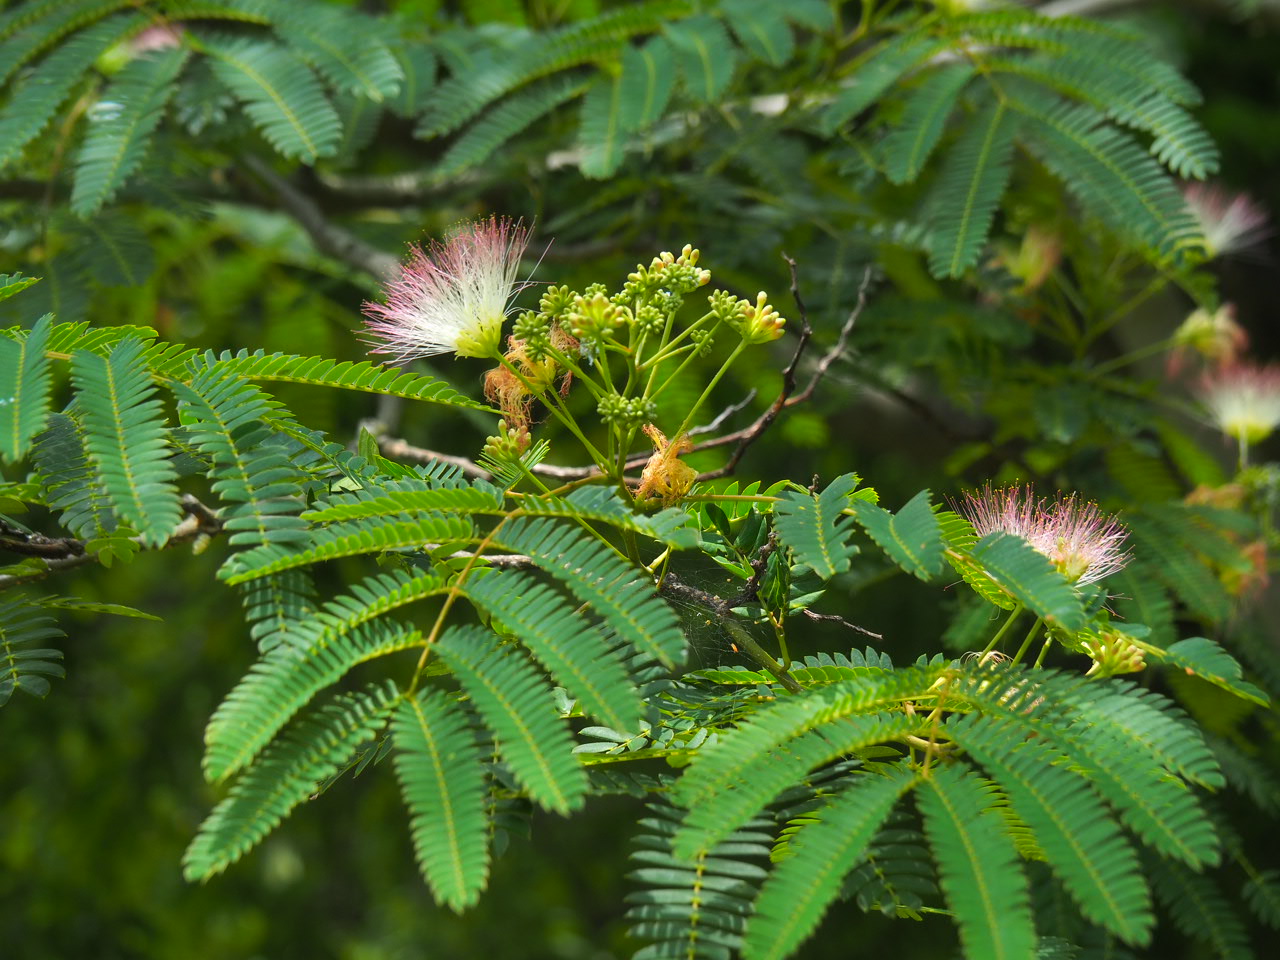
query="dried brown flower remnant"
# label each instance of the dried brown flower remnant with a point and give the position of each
(666, 476)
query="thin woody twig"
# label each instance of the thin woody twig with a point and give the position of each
(787, 396)
(397, 449)
(338, 243)
(723, 415)
(833, 618)
(674, 587)
(328, 237)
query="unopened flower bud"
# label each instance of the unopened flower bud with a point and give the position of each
(760, 322)
(556, 301)
(1112, 652)
(592, 317)
(1214, 335)
(509, 444)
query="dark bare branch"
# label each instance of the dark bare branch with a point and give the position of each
(199, 522)
(328, 237)
(787, 396)
(673, 586)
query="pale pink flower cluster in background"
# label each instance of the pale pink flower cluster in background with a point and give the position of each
(159, 37)
(1230, 223)
(452, 297)
(1215, 335)
(1244, 400)
(1081, 541)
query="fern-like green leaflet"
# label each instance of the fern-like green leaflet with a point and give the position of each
(516, 703)
(973, 179)
(280, 94)
(24, 406)
(815, 529)
(912, 537)
(802, 886)
(125, 438)
(981, 877)
(314, 748)
(120, 127)
(441, 775)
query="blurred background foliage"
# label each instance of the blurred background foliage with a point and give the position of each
(218, 242)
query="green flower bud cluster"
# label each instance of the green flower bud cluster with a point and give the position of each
(755, 322)
(702, 341)
(508, 445)
(669, 273)
(593, 316)
(534, 329)
(556, 302)
(725, 307)
(627, 411)
(650, 320)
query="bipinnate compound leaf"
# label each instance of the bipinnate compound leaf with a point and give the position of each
(621, 595)
(1207, 660)
(120, 127)
(694, 907)
(648, 77)
(815, 528)
(25, 385)
(442, 781)
(978, 864)
(1083, 842)
(284, 681)
(312, 749)
(563, 641)
(281, 95)
(517, 704)
(704, 55)
(124, 436)
(23, 666)
(973, 179)
(1028, 576)
(43, 91)
(911, 141)
(773, 772)
(802, 886)
(911, 538)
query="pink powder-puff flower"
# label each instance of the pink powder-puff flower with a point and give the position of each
(1081, 541)
(1230, 223)
(1243, 400)
(452, 297)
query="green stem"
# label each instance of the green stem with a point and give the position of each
(1158, 283)
(566, 361)
(691, 354)
(1134, 356)
(748, 645)
(552, 404)
(1004, 628)
(1048, 642)
(688, 419)
(1026, 643)
(663, 350)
